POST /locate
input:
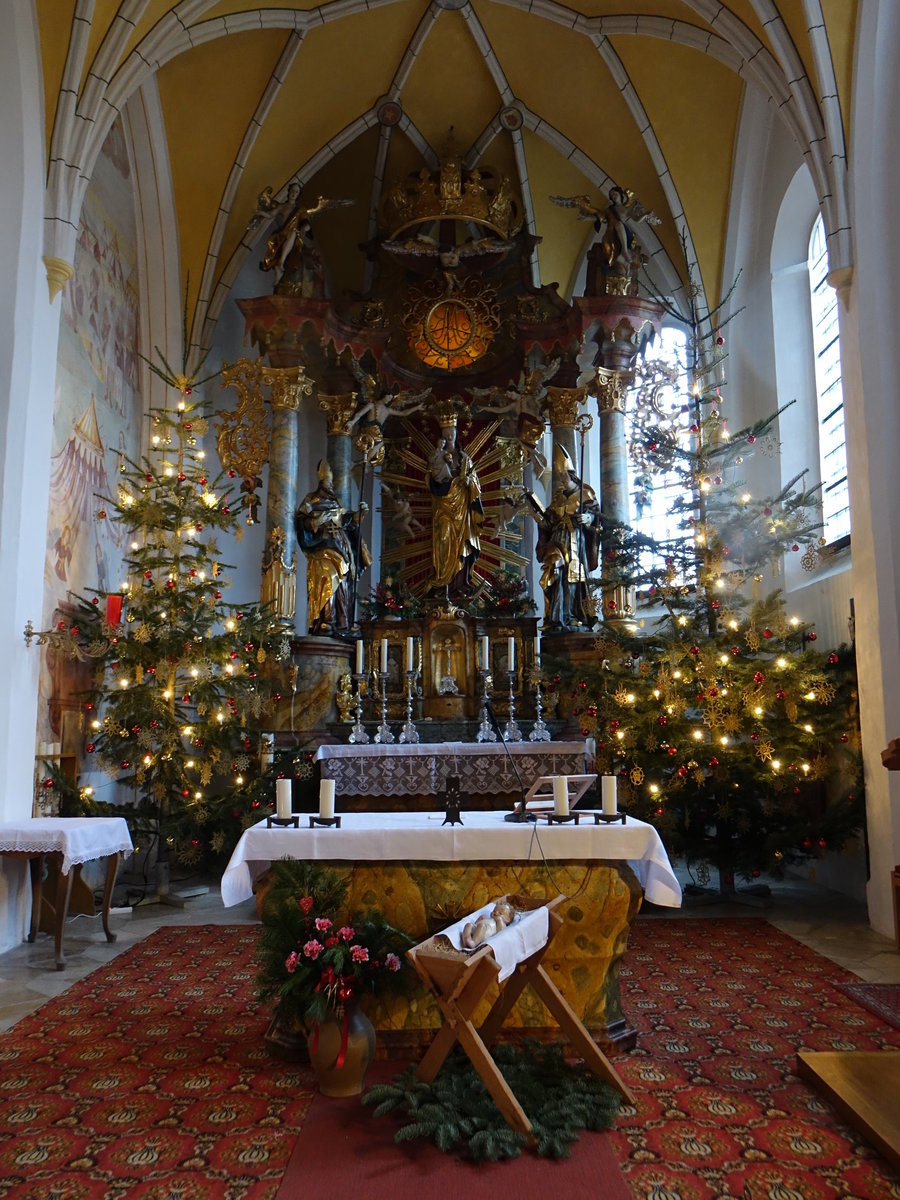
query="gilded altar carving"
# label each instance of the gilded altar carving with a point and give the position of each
(612, 389)
(339, 409)
(562, 405)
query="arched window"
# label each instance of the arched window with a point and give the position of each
(653, 494)
(829, 392)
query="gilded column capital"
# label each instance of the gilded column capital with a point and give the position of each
(562, 405)
(612, 389)
(339, 409)
(288, 386)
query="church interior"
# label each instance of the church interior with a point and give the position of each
(446, 319)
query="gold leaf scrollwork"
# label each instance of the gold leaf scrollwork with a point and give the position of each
(243, 438)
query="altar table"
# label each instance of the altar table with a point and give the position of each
(422, 874)
(422, 768)
(73, 841)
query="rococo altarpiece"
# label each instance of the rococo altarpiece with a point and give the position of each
(456, 397)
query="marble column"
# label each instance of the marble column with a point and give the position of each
(288, 385)
(562, 405)
(339, 409)
(612, 393)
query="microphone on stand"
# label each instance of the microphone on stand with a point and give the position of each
(520, 812)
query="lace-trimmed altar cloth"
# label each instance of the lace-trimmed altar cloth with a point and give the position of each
(77, 839)
(422, 769)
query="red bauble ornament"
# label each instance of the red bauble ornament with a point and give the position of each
(720, 341)
(202, 479)
(662, 719)
(231, 474)
(154, 724)
(695, 650)
(822, 844)
(95, 600)
(767, 512)
(713, 762)
(673, 750)
(89, 748)
(755, 872)
(186, 698)
(780, 694)
(193, 572)
(807, 844)
(751, 439)
(254, 804)
(185, 791)
(181, 477)
(88, 706)
(695, 428)
(767, 633)
(199, 528)
(844, 738)
(715, 605)
(170, 584)
(735, 650)
(754, 736)
(795, 547)
(759, 677)
(611, 605)
(149, 478)
(277, 697)
(148, 574)
(225, 509)
(218, 595)
(812, 636)
(832, 658)
(713, 691)
(48, 783)
(125, 764)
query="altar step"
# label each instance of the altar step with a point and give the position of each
(860, 1084)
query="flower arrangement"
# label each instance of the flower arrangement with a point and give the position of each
(506, 596)
(390, 598)
(314, 957)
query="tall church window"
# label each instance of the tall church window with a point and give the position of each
(654, 511)
(829, 391)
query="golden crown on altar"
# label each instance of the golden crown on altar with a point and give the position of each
(452, 192)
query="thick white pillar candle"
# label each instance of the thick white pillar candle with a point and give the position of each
(384, 656)
(511, 653)
(326, 799)
(608, 793)
(560, 795)
(537, 650)
(410, 654)
(282, 799)
(485, 653)
(359, 657)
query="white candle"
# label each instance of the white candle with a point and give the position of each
(485, 653)
(561, 795)
(410, 654)
(282, 799)
(511, 653)
(537, 650)
(384, 656)
(326, 799)
(359, 657)
(608, 793)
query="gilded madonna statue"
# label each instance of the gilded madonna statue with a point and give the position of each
(457, 513)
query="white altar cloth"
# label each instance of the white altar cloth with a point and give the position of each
(421, 768)
(483, 837)
(77, 839)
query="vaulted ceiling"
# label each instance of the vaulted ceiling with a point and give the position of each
(348, 95)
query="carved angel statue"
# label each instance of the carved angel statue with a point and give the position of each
(398, 513)
(617, 240)
(378, 407)
(523, 397)
(296, 229)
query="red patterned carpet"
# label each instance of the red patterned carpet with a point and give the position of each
(883, 999)
(722, 1007)
(150, 1080)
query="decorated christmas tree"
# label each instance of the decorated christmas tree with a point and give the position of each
(724, 724)
(184, 679)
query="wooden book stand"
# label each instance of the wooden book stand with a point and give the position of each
(459, 981)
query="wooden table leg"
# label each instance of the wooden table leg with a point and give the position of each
(36, 869)
(112, 866)
(63, 892)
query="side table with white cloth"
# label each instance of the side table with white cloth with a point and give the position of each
(72, 841)
(423, 874)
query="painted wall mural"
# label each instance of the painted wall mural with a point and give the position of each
(97, 409)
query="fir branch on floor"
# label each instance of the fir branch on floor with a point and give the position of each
(457, 1113)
